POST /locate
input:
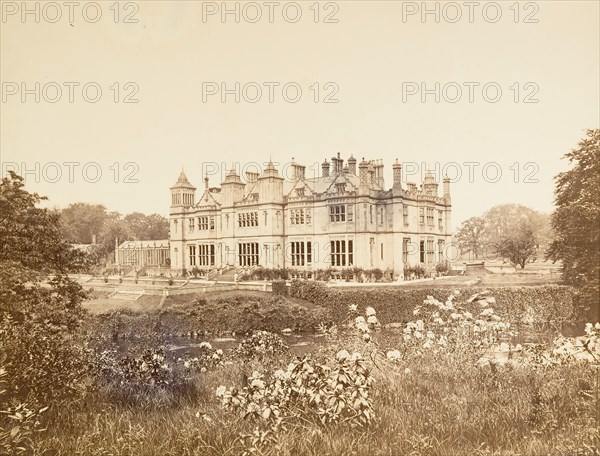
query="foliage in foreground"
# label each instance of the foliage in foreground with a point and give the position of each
(434, 387)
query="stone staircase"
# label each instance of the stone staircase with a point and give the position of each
(126, 294)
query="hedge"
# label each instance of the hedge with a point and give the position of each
(548, 305)
(279, 287)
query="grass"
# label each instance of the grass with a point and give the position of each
(440, 408)
(438, 404)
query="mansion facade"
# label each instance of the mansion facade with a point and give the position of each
(344, 218)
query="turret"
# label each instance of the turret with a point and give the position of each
(270, 185)
(232, 188)
(183, 194)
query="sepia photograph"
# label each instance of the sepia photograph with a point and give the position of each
(289, 228)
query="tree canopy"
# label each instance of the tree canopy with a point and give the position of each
(512, 231)
(576, 220)
(40, 305)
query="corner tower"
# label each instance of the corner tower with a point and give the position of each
(183, 194)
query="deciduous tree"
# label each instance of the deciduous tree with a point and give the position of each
(576, 220)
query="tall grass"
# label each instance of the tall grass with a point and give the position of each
(438, 402)
(439, 408)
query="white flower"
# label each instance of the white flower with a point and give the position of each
(342, 355)
(221, 391)
(186, 364)
(427, 344)
(418, 335)
(352, 307)
(438, 321)
(205, 345)
(366, 337)
(456, 292)
(372, 320)
(369, 311)
(356, 356)
(361, 324)
(430, 335)
(393, 355)
(420, 325)
(220, 352)
(279, 374)
(407, 371)
(203, 369)
(442, 340)
(597, 326)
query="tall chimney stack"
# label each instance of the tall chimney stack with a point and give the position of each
(352, 165)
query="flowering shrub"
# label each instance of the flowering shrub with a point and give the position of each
(134, 379)
(261, 344)
(567, 350)
(207, 358)
(364, 324)
(316, 392)
(449, 327)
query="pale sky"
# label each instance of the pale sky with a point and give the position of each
(369, 56)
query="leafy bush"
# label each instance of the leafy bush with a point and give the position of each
(18, 423)
(261, 344)
(308, 391)
(279, 287)
(377, 274)
(149, 378)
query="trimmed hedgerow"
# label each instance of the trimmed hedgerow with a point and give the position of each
(540, 306)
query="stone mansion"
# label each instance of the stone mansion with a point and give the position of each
(342, 219)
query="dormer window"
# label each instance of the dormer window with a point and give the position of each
(300, 192)
(341, 187)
